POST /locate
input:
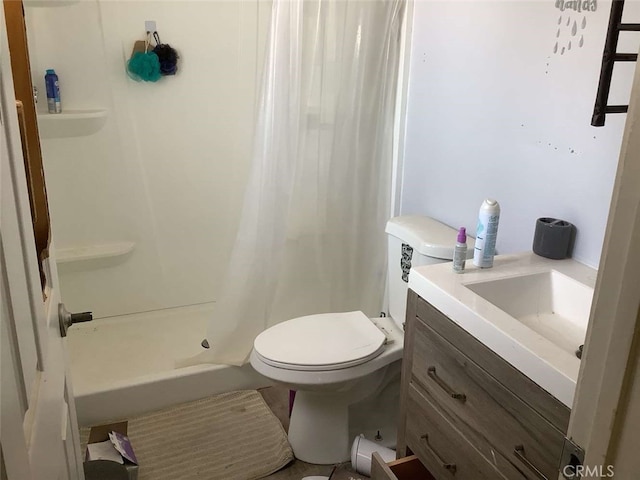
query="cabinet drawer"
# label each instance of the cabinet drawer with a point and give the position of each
(408, 468)
(532, 394)
(483, 410)
(440, 446)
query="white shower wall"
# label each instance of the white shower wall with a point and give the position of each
(168, 170)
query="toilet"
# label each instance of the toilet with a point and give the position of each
(345, 367)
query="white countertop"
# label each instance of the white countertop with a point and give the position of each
(551, 367)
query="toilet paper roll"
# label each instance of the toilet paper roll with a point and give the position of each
(553, 238)
(361, 452)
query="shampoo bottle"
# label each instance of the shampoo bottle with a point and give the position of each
(460, 251)
(486, 234)
(53, 92)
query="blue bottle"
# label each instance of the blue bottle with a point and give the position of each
(53, 92)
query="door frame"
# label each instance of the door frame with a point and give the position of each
(612, 335)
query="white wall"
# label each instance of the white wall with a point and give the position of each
(494, 112)
(169, 169)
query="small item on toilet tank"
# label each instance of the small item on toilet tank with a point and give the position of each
(460, 251)
(486, 233)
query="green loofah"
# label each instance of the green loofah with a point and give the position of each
(144, 67)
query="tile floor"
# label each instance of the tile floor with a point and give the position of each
(278, 400)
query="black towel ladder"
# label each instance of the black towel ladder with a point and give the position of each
(609, 57)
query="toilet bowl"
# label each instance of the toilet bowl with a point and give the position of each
(342, 361)
(351, 357)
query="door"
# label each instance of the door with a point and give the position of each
(608, 385)
(39, 435)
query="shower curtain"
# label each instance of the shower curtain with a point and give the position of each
(311, 237)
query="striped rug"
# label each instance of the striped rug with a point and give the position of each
(233, 436)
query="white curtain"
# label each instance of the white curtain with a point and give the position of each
(311, 237)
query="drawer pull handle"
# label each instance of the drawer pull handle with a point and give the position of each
(458, 396)
(449, 466)
(519, 453)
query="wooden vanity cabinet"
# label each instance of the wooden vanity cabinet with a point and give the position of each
(468, 414)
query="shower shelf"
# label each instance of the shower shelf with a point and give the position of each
(49, 3)
(93, 252)
(71, 123)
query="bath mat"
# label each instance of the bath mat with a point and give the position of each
(232, 436)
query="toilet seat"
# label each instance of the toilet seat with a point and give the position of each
(329, 341)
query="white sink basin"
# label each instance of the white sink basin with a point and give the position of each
(531, 311)
(549, 303)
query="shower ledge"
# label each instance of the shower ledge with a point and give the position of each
(49, 3)
(71, 123)
(93, 252)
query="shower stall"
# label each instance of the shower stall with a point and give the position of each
(145, 184)
(155, 189)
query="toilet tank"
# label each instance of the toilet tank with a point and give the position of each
(414, 240)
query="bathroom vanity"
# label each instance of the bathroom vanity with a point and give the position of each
(486, 384)
(472, 415)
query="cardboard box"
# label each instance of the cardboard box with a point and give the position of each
(119, 442)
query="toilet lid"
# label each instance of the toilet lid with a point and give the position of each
(328, 341)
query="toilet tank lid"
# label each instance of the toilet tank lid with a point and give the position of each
(427, 236)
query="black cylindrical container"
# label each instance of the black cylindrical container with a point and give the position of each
(553, 238)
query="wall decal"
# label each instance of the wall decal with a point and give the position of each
(574, 17)
(577, 5)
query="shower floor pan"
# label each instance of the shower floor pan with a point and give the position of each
(124, 366)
